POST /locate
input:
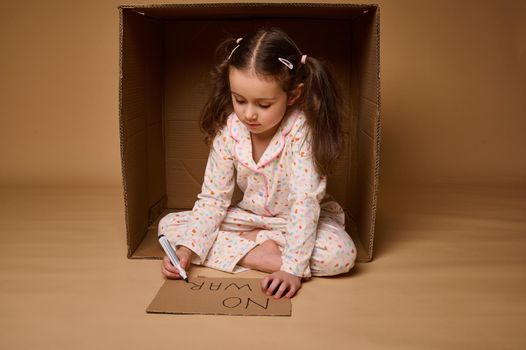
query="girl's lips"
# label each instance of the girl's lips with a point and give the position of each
(253, 125)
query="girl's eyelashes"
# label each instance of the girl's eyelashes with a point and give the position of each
(262, 106)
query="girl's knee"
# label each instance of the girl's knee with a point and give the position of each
(336, 258)
(348, 262)
(333, 265)
(347, 253)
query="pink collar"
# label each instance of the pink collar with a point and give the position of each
(243, 144)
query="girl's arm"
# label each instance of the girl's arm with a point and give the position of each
(306, 192)
(212, 203)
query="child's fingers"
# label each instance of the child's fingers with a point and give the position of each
(282, 288)
(168, 265)
(168, 273)
(184, 262)
(265, 282)
(183, 259)
(275, 283)
(291, 292)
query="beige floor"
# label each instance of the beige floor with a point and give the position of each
(449, 273)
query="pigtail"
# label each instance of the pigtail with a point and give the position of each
(215, 111)
(322, 103)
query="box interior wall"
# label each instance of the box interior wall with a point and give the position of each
(166, 57)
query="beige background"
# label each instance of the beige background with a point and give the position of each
(449, 267)
(452, 89)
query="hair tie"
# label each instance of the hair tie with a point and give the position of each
(231, 52)
(286, 62)
(303, 59)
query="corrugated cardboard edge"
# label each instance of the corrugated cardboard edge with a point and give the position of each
(122, 132)
(378, 136)
(246, 4)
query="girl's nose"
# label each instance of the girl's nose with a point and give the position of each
(250, 114)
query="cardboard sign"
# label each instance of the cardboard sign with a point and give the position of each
(220, 296)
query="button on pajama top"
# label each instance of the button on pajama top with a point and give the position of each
(283, 195)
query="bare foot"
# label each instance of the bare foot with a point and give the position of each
(265, 257)
(250, 235)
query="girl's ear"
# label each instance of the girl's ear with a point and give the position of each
(295, 94)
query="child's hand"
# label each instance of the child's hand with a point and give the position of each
(184, 255)
(281, 281)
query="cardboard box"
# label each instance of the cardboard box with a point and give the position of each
(166, 54)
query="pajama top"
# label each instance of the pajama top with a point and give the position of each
(283, 183)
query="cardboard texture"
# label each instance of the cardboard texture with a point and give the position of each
(166, 54)
(220, 296)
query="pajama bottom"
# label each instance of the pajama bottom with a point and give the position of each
(334, 251)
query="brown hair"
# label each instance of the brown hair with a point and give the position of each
(320, 100)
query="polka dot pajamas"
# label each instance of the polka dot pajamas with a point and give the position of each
(283, 195)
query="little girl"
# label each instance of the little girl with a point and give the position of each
(273, 124)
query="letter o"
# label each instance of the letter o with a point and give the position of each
(238, 299)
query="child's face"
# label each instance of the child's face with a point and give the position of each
(259, 104)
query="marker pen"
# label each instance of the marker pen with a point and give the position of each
(173, 258)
